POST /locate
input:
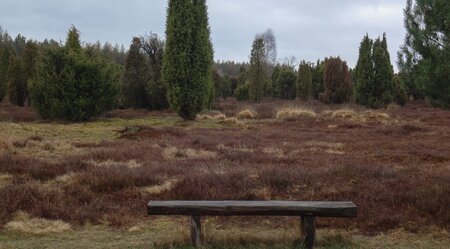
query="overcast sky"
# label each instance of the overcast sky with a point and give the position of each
(307, 29)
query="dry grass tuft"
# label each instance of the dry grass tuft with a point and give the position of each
(174, 153)
(5, 179)
(159, 189)
(23, 223)
(295, 112)
(247, 114)
(132, 164)
(212, 116)
(359, 117)
(231, 121)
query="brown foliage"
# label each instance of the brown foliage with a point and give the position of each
(396, 172)
(337, 78)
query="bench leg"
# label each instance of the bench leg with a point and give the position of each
(308, 227)
(196, 231)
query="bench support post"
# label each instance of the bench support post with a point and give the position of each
(196, 231)
(308, 227)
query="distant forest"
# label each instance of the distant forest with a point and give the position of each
(74, 80)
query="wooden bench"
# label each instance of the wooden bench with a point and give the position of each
(306, 210)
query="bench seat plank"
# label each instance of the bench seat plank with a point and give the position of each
(253, 208)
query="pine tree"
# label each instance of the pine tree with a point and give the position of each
(427, 44)
(4, 67)
(188, 57)
(304, 82)
(30, 59)
(16, 81)
(135, 77)
(257, 75)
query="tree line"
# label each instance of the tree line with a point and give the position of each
(77, 81)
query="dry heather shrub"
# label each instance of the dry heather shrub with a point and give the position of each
(23, 223)
(6, 147)
(247, 114)
(295, 112)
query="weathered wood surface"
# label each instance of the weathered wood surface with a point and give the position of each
(196, 231)
(308, 227)
(252, 208)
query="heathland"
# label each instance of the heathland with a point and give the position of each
(87, 184)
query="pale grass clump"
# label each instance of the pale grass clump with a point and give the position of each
(247, 114)
(358, 117)
(327, 147)
(24, 223)
(132, 164)
(231, 121)
(159, 189)
(6, 147)
(217, 116)
(173, 153)
(5, 179)
(294, 112)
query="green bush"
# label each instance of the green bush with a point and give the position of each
(73, 85)
(241, 92)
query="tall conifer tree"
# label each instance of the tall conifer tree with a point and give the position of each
(257, 75)
(304, 82)
(188, 57)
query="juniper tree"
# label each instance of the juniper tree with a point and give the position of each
(257, 74)
(383, 88)
(274, 88)
(135, 77)
(337, 81)
(71, 84)
(364, 72)
(318, 85)
(287, 81)
(304, 81)
(188, 57)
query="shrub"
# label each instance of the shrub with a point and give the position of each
(337, 81)
(304, 83)
(72, 84)
(241, 92)
(287, 83)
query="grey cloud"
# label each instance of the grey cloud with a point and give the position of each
(306, 29)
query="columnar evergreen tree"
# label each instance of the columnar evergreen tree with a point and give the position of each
(16, 81)
(318, 85)
(337, 80)
(72, 84)
(202, 52)
(425, 57)
(383, 91)
(374, 74)
(304, 82)
(135, 77)
(364, 72)
(274, 88)
(257, 75)
(188, 57)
